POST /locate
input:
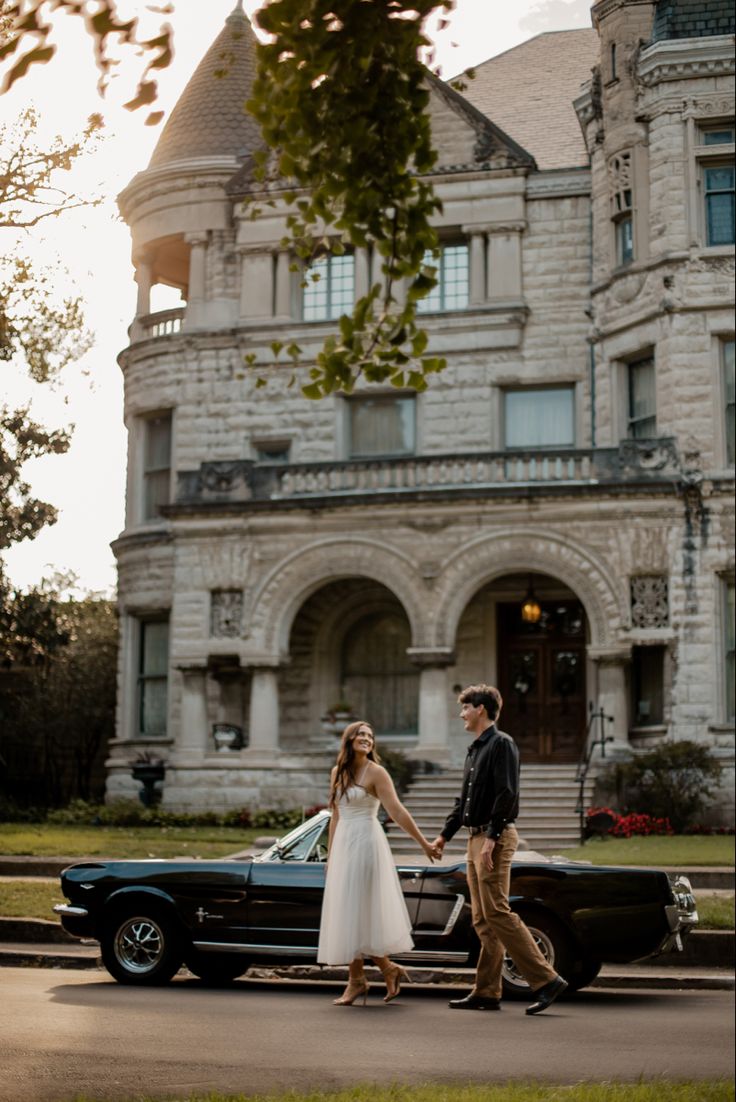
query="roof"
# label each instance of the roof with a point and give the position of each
(528, 92)
(209, 118)
(692, 19)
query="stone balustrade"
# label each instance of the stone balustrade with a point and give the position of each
(161, 324)
(240, 481)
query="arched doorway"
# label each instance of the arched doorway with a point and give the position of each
(541, 675)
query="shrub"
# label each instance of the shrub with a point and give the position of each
(674, 780)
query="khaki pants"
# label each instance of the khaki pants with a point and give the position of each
(496, 924)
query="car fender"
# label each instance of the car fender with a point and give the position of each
(527, 908)
(132, 892)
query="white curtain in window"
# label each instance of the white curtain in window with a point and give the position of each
(540, 417)
(381, 426)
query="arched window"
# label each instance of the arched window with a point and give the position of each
(378, 679)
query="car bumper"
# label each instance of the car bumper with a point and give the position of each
(682, 914)
(75, 920)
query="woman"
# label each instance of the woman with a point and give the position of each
(363, 911)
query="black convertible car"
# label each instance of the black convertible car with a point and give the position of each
(219, 917)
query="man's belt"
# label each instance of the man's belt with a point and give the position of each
(473, 831)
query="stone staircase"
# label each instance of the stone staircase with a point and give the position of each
(547, 821)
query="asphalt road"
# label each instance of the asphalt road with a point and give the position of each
(65, 1033)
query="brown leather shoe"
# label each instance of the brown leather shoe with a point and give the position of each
(475, 1002)
(546, 995)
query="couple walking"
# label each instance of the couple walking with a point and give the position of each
(363, 912)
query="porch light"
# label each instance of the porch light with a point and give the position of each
(531, 610)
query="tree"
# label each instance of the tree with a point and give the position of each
(57, 701)
(341, 97)
(36, 330)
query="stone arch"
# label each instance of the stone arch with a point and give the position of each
(295, 578)
(537, 551)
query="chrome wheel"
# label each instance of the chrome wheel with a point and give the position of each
(546, 947)
(139, 944)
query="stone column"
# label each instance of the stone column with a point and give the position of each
(283, 285)
(362, 273)
(477, 265)
(264, 711)
(196, 291)
(143, 277)
(434, 729)
(192, 743)
(612, 698)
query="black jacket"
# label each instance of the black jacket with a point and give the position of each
(490, 793)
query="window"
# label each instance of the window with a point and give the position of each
(381, 425)
(272, 451)
(715, 155)
(153, 668)
(156, 464)
(642, 420)
(728, 650)
(452, 290)
(620, 179)
(539, 417)
(333, 292)
(647, 682)
(727, 368)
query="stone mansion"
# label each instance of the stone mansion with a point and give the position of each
(285, 560)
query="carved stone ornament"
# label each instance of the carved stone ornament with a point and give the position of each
(226, 613)
(641, 455)
(650, 601)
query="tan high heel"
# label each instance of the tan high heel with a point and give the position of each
(353, 991)
(393, 977)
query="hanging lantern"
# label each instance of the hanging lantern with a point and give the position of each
(531, 610)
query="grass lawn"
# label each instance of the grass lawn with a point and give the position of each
(48, 840)
(657, 1090)
(35, 898)
(676, 851)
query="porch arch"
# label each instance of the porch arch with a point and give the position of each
(537, 551)
(296, 577)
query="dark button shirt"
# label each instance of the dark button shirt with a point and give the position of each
(490, 792)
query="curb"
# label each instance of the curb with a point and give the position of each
(630, 977)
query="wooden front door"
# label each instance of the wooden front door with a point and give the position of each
(541, 670)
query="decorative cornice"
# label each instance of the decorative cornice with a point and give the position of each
(557, 184)
(686, 59)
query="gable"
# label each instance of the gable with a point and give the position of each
(465, 139)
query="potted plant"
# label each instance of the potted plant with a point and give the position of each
(149, 769)
(337, 717)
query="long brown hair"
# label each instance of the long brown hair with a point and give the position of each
(345, 765)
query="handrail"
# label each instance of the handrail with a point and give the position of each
(583, 768)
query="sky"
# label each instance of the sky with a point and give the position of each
(89, 250)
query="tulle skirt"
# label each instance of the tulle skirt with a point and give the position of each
(363, 910)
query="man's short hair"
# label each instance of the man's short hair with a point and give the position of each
(487, 695)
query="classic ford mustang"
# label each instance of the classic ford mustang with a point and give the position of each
(219, 917)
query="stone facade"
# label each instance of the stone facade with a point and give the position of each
(276, 572)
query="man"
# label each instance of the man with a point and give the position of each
(488, 805)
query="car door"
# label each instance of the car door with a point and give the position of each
(443, 927)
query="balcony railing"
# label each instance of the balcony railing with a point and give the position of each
(240, 481)
(162, 323)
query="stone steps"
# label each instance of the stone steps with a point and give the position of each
(548, 818)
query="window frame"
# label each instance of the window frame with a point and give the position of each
(350, 401)
(144, 679)
(333, 309)
(621, 201)
(631, 419)
(537, 389)
(661, 652)
(148, 473)
(706, 156)
(426, 305)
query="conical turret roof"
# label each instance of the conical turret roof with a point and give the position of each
(210, 119)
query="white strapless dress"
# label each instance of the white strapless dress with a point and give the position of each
(363, 910)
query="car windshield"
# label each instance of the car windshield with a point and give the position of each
(307, 842)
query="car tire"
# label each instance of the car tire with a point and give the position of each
(216, 969)
(555, 945)
(141, 946)
(584, 973)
